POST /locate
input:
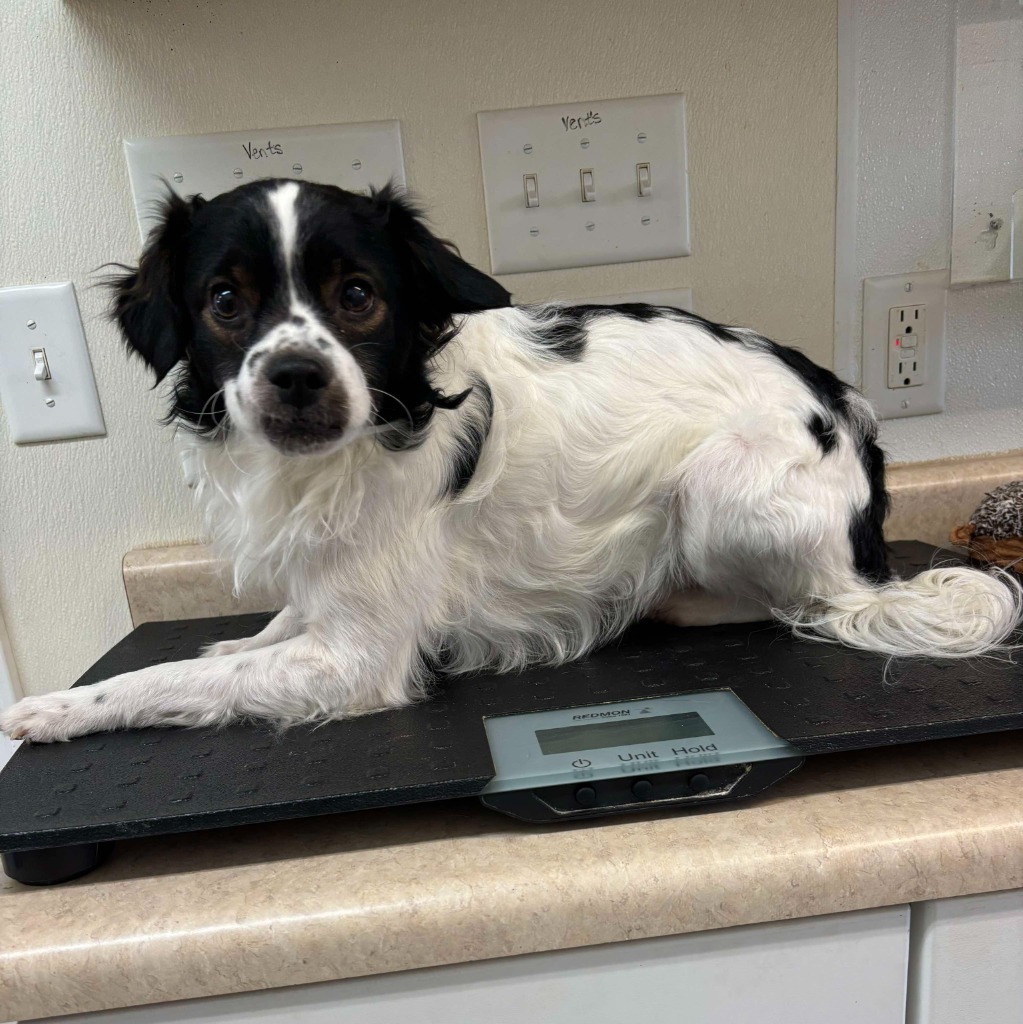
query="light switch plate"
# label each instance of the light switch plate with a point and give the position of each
(65, 406)
(352, 156)
(926, 292)
(591, 161)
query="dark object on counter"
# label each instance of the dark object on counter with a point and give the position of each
(994, 534)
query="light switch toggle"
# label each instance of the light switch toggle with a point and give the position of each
(530, 187)
(40, 367)
(644, 186)
(587, 189)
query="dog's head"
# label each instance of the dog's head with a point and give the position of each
(301, 314)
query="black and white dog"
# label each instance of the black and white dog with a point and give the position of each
(428, 473)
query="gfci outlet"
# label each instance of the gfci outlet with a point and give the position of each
(904, 343)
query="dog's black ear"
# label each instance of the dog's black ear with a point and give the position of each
(446, 284)
(148, 304)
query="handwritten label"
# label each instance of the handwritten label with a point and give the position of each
(586, 121)
(254, 152)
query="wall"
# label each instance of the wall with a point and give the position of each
(895, 173)
(77, 77)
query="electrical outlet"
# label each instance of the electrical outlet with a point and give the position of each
(907, 346)
(903, 370)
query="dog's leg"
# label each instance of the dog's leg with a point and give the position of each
(300, 679)
(283, 626)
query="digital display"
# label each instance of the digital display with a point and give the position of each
(622, 732)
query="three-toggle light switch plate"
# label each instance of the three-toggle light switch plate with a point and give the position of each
(574, 185)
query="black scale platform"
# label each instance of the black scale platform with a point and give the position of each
(59, 803)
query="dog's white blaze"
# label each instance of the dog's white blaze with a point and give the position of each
(283, 202)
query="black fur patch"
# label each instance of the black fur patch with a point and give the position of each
(824, 433)
(474, 434)
(823, 384)
(640, 311)
(469, 444)
(565, 336)
(866, 529)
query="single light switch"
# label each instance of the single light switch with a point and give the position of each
(529, 186)
(644, 186)
(586, 186)
(47, 389)
(40, 367)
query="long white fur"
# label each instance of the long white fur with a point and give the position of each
(663, 459)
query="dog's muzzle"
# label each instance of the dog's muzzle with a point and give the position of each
(303, 406)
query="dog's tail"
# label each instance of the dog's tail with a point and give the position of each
(946, 612)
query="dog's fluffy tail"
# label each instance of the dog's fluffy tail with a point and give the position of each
(950, 612)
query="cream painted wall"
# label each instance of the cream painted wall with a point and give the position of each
(76, 77)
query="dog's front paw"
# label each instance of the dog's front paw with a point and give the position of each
(50, 718)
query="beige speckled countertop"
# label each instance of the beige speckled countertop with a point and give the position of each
(347, 895)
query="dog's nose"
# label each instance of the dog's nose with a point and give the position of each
(298, 379)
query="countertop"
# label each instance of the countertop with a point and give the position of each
(347, 895)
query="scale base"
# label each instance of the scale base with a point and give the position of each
(61, 803)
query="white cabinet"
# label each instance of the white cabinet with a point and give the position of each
(844, 969)
(967, 960)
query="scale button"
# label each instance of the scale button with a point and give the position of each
(642, 789)
(699, 783)
(585, 796)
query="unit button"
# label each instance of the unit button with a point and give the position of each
(699, 783)
(585, 796)
(642, 789)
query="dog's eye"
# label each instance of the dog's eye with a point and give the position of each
(357, 295)
(224, 303)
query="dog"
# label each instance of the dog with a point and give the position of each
(430, 475)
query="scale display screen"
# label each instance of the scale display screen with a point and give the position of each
(643, 735)
(622, 732)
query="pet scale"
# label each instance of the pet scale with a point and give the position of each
(665, 719)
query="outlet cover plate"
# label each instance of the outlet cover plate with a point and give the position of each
(75, 410)
(881, 294)
(352, 156)
(557, 143)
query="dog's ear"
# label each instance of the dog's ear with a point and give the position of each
(445, 283)
(148, 304)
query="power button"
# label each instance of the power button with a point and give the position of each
(585, 796)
